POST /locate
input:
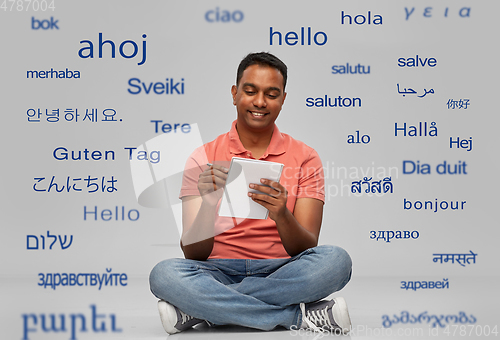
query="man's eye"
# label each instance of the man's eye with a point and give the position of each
(250, 92)
(273, 96)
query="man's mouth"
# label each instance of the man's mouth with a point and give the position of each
(258, 114)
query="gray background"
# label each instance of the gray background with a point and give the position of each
(182, 44)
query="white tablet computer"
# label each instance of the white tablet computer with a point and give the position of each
(242, 172)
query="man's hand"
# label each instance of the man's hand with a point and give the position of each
(298, 231)
(273, 197)
(210, 183)
(198, 214)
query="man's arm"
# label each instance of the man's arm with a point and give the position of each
(198, 214)
(298, 231)
(198, 224)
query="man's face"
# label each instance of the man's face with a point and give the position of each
(258, 97)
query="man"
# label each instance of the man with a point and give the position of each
(254, 273)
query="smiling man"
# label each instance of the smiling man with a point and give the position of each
(254, 273)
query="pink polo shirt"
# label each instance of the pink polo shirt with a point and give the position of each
(302, 176)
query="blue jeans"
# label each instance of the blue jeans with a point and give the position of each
(259, 294)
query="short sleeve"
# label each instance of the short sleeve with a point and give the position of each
(192, 170)
(311, 180)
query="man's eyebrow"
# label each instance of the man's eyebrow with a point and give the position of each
(248, 84)
(274, 89)
(268, 89)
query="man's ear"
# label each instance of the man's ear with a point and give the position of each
(284, 96)
(234, 89)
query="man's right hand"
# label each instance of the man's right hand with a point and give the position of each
(211, 182)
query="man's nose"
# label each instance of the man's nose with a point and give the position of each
(260, 100)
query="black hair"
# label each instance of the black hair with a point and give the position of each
(263, 59)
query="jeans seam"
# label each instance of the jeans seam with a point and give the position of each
(225, 271)
(298, 316)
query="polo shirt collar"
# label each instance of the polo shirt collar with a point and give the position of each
(276, 146)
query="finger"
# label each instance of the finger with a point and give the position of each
(209, 187)
(263, 198)
(265, 204)
(219, 168)
(222, 173)
(218, 181)
(208, 182)
(272, 184)
(213, 177)
(209, 173)
(275, 192)
(263, 189)
(277, 186)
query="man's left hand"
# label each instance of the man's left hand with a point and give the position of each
(273, 197)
